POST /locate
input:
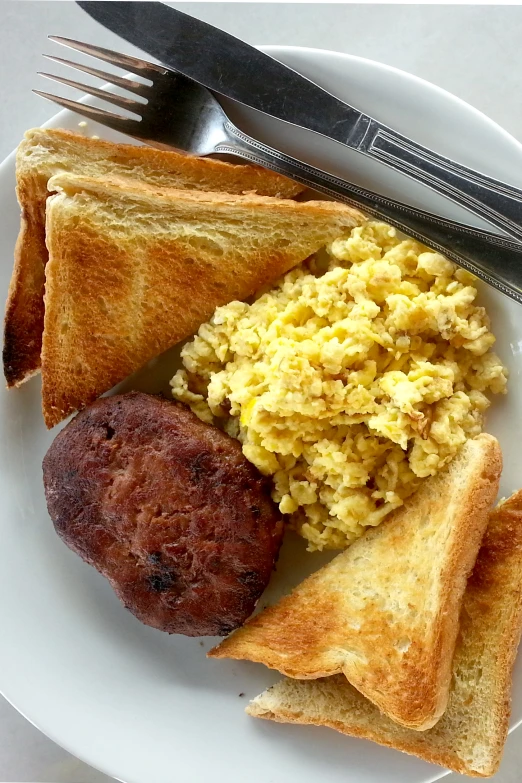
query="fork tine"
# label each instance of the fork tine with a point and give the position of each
(116, 100)
(108, 55)
(121, 124)
(119, 81)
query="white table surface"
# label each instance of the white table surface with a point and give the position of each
(472, 51)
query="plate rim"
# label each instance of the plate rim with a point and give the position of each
(274, 49)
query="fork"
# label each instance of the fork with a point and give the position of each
(174, 112)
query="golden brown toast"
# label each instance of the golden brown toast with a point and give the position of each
(134, 269)
(470, 736)
(385, 612)
(45, 152)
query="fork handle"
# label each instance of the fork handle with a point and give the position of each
(491, 257)
(498, 203)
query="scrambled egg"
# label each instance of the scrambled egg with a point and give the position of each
(362, 372)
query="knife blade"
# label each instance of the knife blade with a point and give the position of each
(225, 64)
(232, 68)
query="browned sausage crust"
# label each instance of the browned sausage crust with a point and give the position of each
(168, 509)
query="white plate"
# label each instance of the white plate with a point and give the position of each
(136, 703)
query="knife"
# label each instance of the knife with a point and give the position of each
(236, 70)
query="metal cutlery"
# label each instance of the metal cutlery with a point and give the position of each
(235, 69)
(174, 111)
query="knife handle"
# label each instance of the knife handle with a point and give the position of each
(498, 203)
(493, 258)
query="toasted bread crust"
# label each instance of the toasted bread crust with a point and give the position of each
(470, 736)
(320, 629)
(24, 315)
(134, 269)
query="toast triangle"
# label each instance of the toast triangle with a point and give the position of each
(385, 612)
(48, 151)
(470, 736)
(134, 269)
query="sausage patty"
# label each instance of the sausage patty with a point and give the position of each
(168, 509)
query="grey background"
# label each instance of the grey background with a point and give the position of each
(472, 51)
